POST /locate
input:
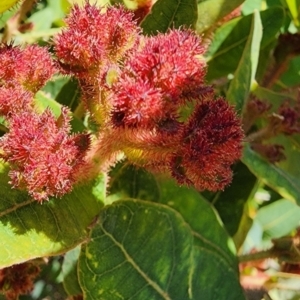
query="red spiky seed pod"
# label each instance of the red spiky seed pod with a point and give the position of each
(94, 36)
(158, 78)
(211, 143)
(172, 62)
(18, 279)
(14, 100)
(43, 156)
(136, 104)
(31, 67)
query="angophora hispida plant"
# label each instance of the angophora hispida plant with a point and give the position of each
(135, 89)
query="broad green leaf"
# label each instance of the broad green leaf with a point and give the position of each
(292, 152)
(282, 182)
(164, 262)
(54, 86)
(167, 14)
(6, 15)
(200, 216)
(42, 19)
(264, 61)
(239, 88)
(29, 229)
(129, 181)
(6, 4)
(69, 94)
(33, 36)
(137, 250)
(230, 202)
(293, 6)
(230, 40)
(250, 5)
(279, 218)
(272, 97)
(69, 272)
(291, 77)
(211, 11)
(214, 250)
(217, 282)
(59, 13)
(43, 101)
(254, 239)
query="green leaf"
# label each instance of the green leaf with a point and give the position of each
(279, 218)
(230, 39)
(250, 5)
(244, 76)
(282, 182)
(137, 250)
(129, 181)
(6, 15)
(167, 14)
(29, 229)
(42, 19)
(54, 85)
(200, 216)
(230, 202)
(163, 262)
(69, 94)
(69, 272)
(291, 77)
(211, 11)
(43, 101)
(6, 4)
(212, 279)
(272, 97)
(293, 6)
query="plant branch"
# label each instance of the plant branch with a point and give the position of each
(270, 253)
(13, 24)
(277, 71)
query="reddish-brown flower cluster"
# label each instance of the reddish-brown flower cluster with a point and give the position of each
(135, 87)
(18, 279)
(95, 37)
(38, 147)
(29, 67)
(208, 147)
(14, 100)
(23, 72)
(290, 119)
(286, 121)
(42, 154)
(165, 73)
(140, 95)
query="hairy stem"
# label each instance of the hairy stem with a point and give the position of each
(270, 253)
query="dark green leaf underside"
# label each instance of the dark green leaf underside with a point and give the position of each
(167, 14)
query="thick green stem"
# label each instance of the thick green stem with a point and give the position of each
(270, 253)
